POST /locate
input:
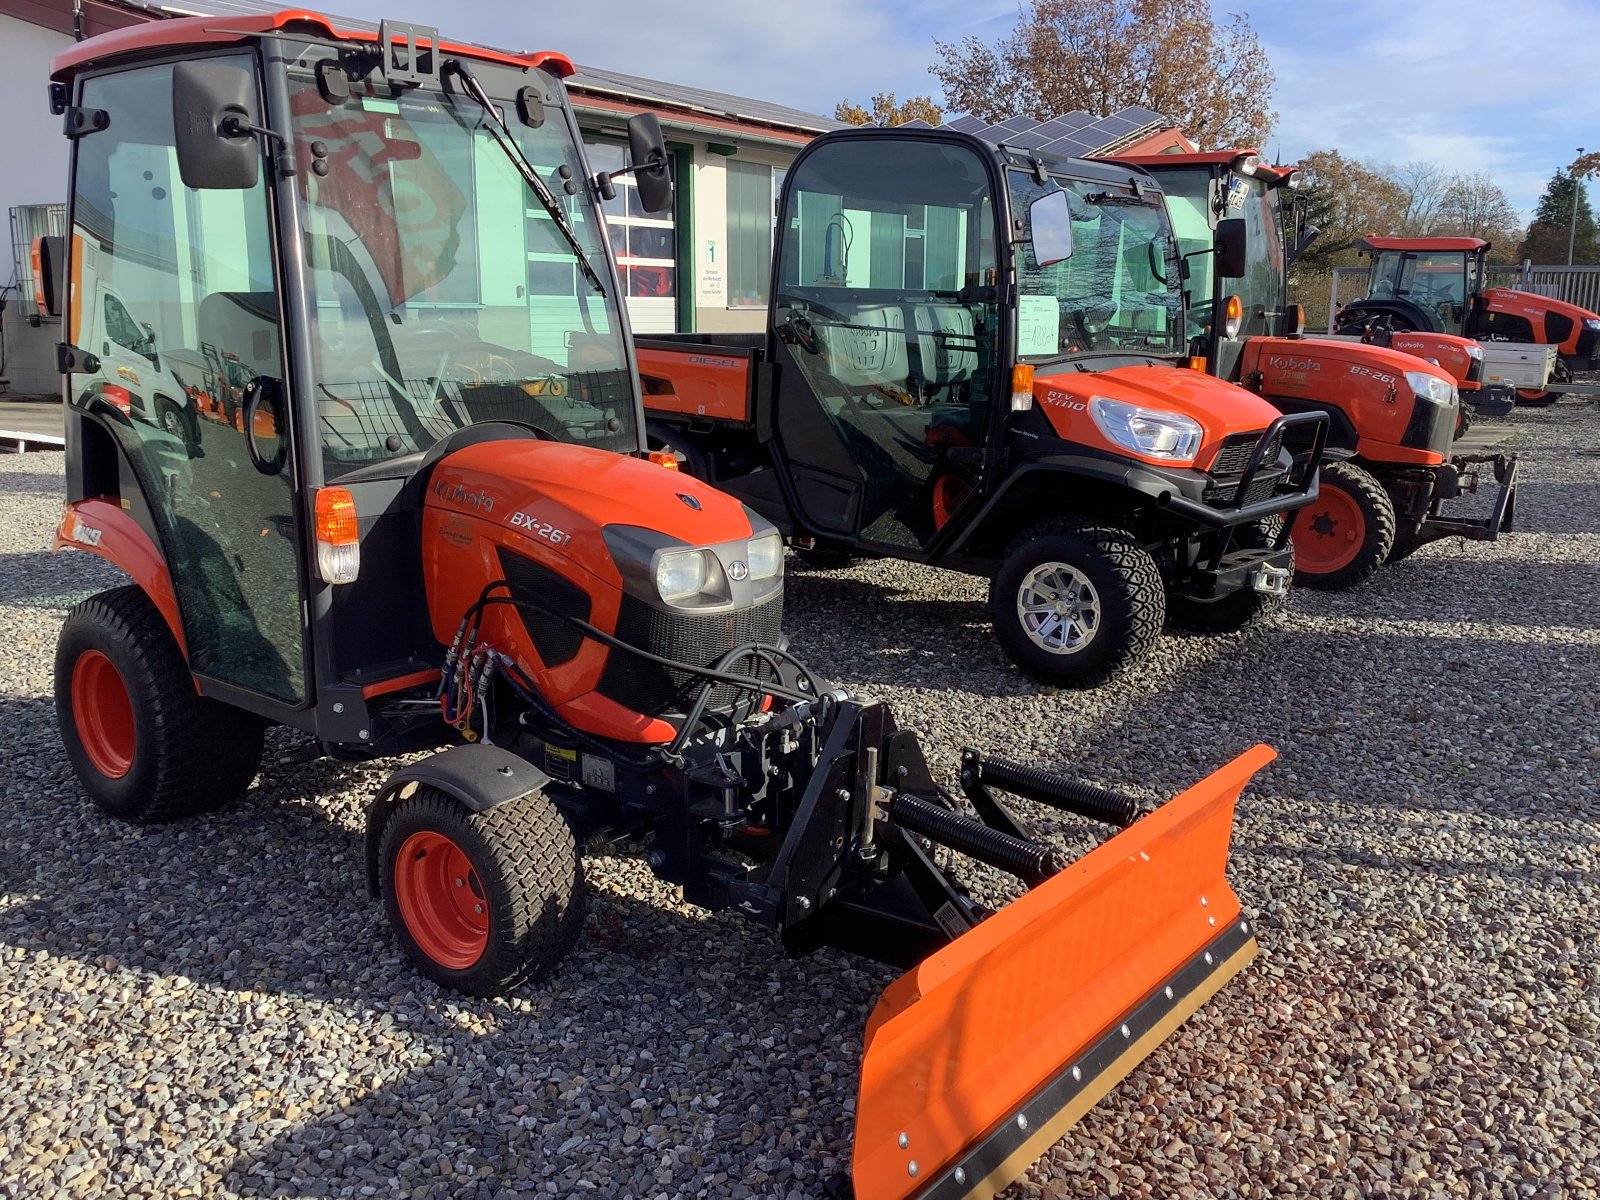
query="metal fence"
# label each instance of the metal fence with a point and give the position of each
(1575, 285)
(29, 221)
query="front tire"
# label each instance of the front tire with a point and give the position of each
(1072, 603)
(1346, 533)
(482, 902)
(144, 745)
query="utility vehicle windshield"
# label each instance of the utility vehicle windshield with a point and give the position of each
(444, 292)
(1194, 202)
(1437, 282)
(1119, 289)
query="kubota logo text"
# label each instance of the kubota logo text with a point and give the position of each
(458, 493)
(1281, 363)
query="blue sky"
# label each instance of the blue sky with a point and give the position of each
(1474, 85)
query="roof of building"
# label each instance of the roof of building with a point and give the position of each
(596, 81)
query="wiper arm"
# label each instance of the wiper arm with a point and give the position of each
(508, 146)
(1109, 198)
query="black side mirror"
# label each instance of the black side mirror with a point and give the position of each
(212, 114)
(49, 269)
(1231, 248)
(1307, 235)
(1050, 223)
(647, 154)
(264, 433)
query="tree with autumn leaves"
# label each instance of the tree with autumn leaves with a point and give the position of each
(1098, 56)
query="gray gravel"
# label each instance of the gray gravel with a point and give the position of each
(217, 1008)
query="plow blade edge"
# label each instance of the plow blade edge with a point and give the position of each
(979, 1059)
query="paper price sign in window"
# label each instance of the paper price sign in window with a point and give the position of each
(1038, 326)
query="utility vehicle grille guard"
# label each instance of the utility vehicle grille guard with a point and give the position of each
(1302, 477)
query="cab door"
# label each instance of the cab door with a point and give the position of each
(186, 275)
(885, 326)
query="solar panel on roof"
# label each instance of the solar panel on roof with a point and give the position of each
(968, 124)
(1018, 124)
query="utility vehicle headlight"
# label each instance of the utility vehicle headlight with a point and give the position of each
(1440, 391)
(682, 573)
(1147, 431)
(765, 556)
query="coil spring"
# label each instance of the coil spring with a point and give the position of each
(1028, 861)
(1096, 803)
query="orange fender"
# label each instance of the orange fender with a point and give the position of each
(102, 527)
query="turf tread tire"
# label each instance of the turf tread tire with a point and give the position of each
(1378, 528)
(1132, 592)
(527, 860)
(191, 755)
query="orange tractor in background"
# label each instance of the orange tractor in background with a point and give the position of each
(1389, 466)
(1437, 285)
(441, 536)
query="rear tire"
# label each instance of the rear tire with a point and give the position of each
(1237, 609)
(482, 902)
(1346, 533)
(1108, 598)
(144, 745)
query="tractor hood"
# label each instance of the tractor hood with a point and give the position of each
(1534, 306)
(1221, 409)
(565, 495)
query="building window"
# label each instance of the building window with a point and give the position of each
(753, 191)
(646, 246)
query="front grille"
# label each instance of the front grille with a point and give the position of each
(555, 638)
(1235, 454)
(699, 638)
(1263, 486)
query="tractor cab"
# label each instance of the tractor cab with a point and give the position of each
(362, 252)
(1429, 284)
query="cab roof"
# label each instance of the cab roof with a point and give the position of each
(153, 37)
(1265, 171)
(1423, 245)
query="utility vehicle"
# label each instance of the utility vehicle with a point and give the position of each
(436, 529)
(1393, 415)
(973, 358)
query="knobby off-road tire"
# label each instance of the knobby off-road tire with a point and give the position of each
(1346, 534)
(482, 902)
(1103, 572)
(143, 744)
(1238, 608)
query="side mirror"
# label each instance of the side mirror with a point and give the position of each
(264, 434)
(1308, 235)
(1231, 248)
(49, 269)
(212, 106)
(1050, 221)
(647, 155)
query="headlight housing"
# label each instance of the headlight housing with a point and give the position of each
(1475, 352)
(1591, 322)
(1423, 383)
(765, 556)
(1148, 431)
(683, 573)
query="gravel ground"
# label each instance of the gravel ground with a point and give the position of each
(217, 1008)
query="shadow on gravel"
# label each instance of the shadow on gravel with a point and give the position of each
(211, 898)
(1557, 507)
(31, 483)
(40, 578)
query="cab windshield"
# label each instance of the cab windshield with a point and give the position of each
(443, 293)
(1119, 289)
(1437, 282)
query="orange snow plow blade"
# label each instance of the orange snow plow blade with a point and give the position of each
(981, 1058)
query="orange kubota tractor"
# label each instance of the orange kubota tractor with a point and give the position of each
(436, 528)
(974, 358)
(1389, 467)
(1437, 284)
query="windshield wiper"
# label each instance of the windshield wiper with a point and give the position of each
(502, 135)
(1104, 198)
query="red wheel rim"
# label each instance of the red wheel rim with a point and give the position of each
(1328, 534)
(102, 711)
(441, 900)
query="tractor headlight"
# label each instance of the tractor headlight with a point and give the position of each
(682, 573)
(1591, 323)
(1440, 391)
(1147, 431)
(765, 556)
(1475, 351)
